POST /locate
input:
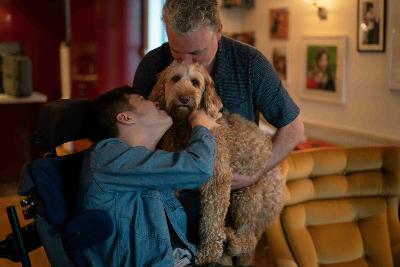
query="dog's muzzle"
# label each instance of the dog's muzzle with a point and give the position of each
(182, 107)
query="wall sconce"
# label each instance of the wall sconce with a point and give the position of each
(321, 11)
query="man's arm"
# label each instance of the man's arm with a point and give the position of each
(284, 140)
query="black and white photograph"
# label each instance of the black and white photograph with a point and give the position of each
(371, 25)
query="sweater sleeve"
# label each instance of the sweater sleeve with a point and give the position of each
(118, 167)
(270, 96)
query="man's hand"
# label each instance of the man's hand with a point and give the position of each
(240, 181)
(199, 117)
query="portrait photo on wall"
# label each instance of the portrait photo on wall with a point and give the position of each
(244, 37)
(321, 67)
(279, 23)
(323, 78)
(371, 25)
(279, 60)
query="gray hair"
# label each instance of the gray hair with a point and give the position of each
(186, 16)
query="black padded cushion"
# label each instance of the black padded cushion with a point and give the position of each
(65, 120)
(56, 181)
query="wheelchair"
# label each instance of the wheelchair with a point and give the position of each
(49, 187)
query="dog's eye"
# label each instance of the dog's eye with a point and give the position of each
(195, 82)
(176, 78)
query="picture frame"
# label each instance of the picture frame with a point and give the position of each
(279, 60)
(371, 22)
(238, 3)
(324, 68)
(394, 53)
(248, 37)
(279, 23)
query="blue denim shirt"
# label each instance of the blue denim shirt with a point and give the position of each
(136, 187)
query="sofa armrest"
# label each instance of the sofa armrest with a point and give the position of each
(279, 248)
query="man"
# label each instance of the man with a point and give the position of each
(244, 79)
(126, 176)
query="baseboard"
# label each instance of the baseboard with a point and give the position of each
(346, 136)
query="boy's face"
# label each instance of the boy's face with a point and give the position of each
(147, 112)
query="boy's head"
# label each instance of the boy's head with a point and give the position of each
(122, 107)
(108, 105)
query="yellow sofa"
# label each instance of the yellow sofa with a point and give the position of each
(341, 209)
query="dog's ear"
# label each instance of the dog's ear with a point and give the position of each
(210, 101)
(158, 92)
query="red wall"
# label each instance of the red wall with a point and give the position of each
(39, 27)
(106, 40)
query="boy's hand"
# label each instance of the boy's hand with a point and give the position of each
(199, 117)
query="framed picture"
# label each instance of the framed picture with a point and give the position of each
(324, 65)
(394, 58)
(244, 37)
(279, 59)
(238, 3)
(371, 25)
(279, 23)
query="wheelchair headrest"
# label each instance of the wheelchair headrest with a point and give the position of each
(65, 120)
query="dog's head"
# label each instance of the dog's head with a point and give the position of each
(184, 88)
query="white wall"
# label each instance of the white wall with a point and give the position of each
(371, 111)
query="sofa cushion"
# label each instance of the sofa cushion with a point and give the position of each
(341, 209)
(337, 232)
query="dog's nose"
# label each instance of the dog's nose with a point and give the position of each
(184, 99)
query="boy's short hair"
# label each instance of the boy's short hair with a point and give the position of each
(186, 16)
(107, 106)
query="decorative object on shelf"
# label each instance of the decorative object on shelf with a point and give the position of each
(7, 48)
(17, 75)
(324, 61)
(371, 25)
(394, 55)
(244, 37)
(238, 3)
(279, 23)
(279, 60)
(322, 12)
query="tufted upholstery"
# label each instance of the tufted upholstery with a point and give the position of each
(341, 209)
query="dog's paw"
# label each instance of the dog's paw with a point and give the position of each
(239, 245)
(234, 247)
(209, 254)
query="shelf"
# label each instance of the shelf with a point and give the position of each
(35, 97)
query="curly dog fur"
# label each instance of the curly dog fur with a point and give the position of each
(241, 148)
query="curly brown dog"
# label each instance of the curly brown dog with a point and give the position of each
(241, 148)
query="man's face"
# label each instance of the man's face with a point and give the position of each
(199, 46)
(147, 112)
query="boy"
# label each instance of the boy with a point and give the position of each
(126, 176)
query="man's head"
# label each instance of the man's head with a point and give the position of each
(121, 108)
(194, 29)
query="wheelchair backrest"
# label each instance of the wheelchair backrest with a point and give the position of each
(52, 184)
